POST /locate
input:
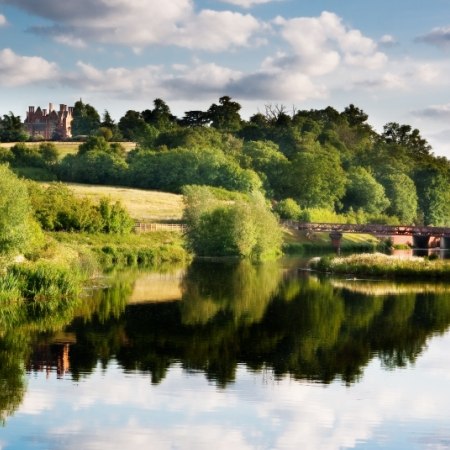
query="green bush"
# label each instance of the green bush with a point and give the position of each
(16, 228)
(245, 228)
(288, 208)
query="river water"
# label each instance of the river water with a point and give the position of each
(231, 355)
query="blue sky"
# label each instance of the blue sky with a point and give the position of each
(390, 58)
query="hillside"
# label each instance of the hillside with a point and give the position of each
(141, 204)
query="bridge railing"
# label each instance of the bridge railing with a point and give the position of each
(369, 228)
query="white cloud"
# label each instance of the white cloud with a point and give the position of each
(217, 31)
(322, 44)
(3, 20)
(141, 23)
(16, 70)
(247, 3)
(388, 40)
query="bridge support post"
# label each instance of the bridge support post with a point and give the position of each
(445, 243)
(336, 237)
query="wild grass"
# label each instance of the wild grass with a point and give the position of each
(380, 265)
(151, 249)
(148, 206)
(296, 241)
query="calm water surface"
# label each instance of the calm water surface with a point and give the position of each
(223, 355)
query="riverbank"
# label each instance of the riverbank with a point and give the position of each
(381, 265)
(67, 261)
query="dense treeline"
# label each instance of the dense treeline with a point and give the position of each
(320, 162)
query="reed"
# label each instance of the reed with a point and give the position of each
(381, 265)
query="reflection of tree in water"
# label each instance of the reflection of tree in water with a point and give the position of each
(28, 325)
(241, 290)
(301, 326)
(232, 314)
(13, 352)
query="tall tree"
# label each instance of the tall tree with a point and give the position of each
(160, 116)
(11, 128)
(86, 119)
(225, 116)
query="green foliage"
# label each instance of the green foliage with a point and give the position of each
(317, 178)
(95, 167)
(57, 209)
(115, 218)
(244, 228)
(15, 213)
(364, 192)
(11, 129)
(402, 194)
(225, 116)
(86, 119)
(288, 208)
(171, 170)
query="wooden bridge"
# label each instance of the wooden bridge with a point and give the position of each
(420, 236)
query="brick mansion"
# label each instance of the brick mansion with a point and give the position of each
(49, 123)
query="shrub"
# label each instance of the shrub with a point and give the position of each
(245, 228)
(288, 208)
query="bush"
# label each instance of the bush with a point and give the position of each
(245, 228)
(288, 209)
(15, 213)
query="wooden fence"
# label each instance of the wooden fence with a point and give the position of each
(145, 227)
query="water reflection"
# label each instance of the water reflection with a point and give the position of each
(265, 317)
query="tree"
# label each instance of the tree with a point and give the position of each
(225, 116)
(160, 116)
(11, 129)
(364, 192)
(15, 213)
(402, 194)
(132, 125)
(86, 119)
(317, 178)
(355, 116)
(265, 158)
(406, 136)
(194, 119)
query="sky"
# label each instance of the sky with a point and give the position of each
(390, 58)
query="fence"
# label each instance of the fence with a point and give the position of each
(144, 227)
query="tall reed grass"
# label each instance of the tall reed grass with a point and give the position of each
(380, 265)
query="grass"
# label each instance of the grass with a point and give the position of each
(381, 265)
(296, 241)
(146, 206)
(151, 249)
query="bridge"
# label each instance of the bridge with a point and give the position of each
(414, 236)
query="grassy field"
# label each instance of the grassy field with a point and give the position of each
(67, 148)
(149, 206)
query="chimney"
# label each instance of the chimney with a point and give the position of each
(62, 107)
(50, 107)
(31, 109)
(44, 112)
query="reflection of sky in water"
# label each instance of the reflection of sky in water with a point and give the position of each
(403, 408)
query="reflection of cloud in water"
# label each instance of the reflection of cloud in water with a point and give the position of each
(110, 410)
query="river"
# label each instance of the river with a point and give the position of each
(231, 355)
